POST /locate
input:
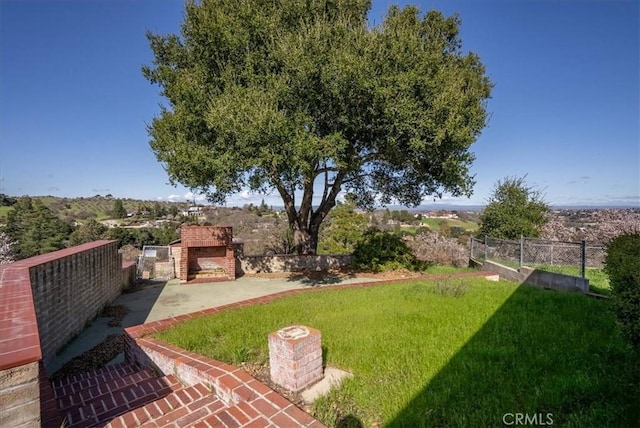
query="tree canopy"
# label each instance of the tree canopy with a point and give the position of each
(34, 229)
(118, 210)
(342, 230)
(513, 209)
(305, 98)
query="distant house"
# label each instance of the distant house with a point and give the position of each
(442, 214)
(193, 211)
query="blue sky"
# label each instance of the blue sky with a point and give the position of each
(565, 108)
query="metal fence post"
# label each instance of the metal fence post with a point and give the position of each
(583, 256)
(521, 250)
(471, 247)
(485, 248)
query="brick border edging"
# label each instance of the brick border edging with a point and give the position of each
(231, 384)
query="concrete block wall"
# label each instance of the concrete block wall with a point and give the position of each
(128, 274)
(176, 256)
(539, 278)
(70, 287)
(44, 302)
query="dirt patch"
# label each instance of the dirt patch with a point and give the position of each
(116, 313)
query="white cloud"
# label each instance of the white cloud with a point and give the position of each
(190, 196)
(187, 197)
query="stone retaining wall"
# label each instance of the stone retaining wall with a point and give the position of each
(291, 263)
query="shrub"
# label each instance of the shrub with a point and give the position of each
(433, 248)
(378, 251)
(622, 264)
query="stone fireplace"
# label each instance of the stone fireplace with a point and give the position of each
(206, 254)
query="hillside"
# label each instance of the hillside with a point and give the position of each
(96, 207)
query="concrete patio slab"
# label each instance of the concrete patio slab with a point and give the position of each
(332, 378)
(160, 300)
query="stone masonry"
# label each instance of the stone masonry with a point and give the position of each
(295, 357)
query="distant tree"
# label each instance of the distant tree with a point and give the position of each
(445, 228)
(342, 230)
(263, 206)
(165, 234)
(303, 95)
(6, 249)
(379, 251)
(159, 210)
(173, 210)
(122, 235)
(34, 229)
(118, 210)
(6, 201)
(89, 231)
(403, 216)
(513, 209)
(143, 236)
(437, 249)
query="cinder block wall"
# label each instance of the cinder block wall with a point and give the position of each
(44, 302)
(70, 287)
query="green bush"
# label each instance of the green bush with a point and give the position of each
(622, 264)
(380, 251)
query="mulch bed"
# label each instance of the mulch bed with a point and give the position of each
(99, 355)
(95, 358)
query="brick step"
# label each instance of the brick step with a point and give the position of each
(95, 388)
(102, 409)
(184, 407)
(207, 274)
(80, 381)
(189, 406)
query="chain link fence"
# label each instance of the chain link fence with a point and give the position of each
(156, 262)
(572, 258)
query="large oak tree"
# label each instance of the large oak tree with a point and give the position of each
(305, 97)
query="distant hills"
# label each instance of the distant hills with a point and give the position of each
(99, 206)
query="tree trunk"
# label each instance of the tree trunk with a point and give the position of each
(305, 223)
(306, 239)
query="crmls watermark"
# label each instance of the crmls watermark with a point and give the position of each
(536, 419)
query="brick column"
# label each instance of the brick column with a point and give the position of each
(295, 357)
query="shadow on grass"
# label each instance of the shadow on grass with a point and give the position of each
(555, 357)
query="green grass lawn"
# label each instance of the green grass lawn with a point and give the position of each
(4, 211)
(436, 223)
(446, 353)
